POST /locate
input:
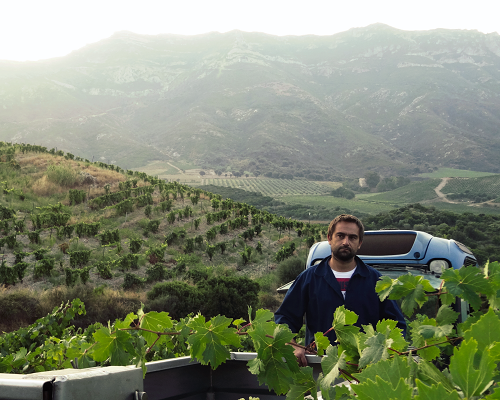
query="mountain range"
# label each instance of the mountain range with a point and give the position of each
(323, 107)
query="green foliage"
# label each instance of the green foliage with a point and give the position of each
(285, 252)
(34, 236)
(43, 267)
(131, 280)
(135, 245)
(156, 253)
(104, 270)
(109, 237)
(76, 196)
(343, 192)
(78, 258)
(63, 176)
(156, 273)
(83, 229)
(290, 268)
(7, 274)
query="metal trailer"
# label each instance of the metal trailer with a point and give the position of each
(172, 379)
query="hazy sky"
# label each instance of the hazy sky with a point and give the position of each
(37, 29)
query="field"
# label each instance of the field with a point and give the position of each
(415, 192)
(273, 187)
(486, 185)
(455, 173)
(355, 206)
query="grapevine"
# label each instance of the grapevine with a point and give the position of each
(378, 359)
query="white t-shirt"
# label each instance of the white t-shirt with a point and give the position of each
(343, 279)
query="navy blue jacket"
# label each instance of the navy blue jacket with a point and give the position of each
(316, 294)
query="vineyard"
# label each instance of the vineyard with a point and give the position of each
(132, 231)
(272, 187)
(413, 193)
(488, 185)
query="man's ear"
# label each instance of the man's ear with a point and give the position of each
(359, 245)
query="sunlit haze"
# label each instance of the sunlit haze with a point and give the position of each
(33, 29)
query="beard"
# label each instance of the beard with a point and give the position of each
(344, 253)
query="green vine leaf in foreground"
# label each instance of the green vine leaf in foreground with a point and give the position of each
(208, 343)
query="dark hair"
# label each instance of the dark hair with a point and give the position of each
(346, 218)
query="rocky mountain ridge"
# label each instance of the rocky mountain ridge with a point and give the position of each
(373, 98)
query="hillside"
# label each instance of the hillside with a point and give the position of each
(65, 222)
(373, 98)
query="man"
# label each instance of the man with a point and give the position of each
(339, 279)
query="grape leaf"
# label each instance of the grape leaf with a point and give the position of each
(277, 361)
(331, 366)
(390, 370)
(380, 389)
(447, 299)
(376, 349)
(493, 396)
(207, 343)
(303, 382)
(492, 273)
(340, 392)
(467, 283)
(116, 346)
(435, 392)
(276, 376)
(472, 381)
(126, 322)
(384, 287)
(262, 316)
(396, 334)
(155, 321)
(430, 375)
(347, 335)
(279, 349)
(434, 332)
(412, 289)
(486, 331)
(446, 315)
(342, 316)
(322, 343)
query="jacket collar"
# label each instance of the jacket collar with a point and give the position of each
(323, 269)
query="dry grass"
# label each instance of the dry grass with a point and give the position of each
(45, 188)
(22, 307)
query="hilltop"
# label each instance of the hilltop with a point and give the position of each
(320, 107)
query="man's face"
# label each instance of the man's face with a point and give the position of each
(345, 241)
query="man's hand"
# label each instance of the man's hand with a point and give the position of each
(300, 352)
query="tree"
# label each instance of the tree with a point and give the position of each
(202, 173)
(372, 179)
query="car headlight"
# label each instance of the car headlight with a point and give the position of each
(438, 266)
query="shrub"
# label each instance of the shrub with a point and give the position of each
(132, 280)
(63, 176)
(228, 295)
(156, 273)
(7, 274)
(290, 268)
(104, 270)
(43, 267)
(135, 245)
(178, 298)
